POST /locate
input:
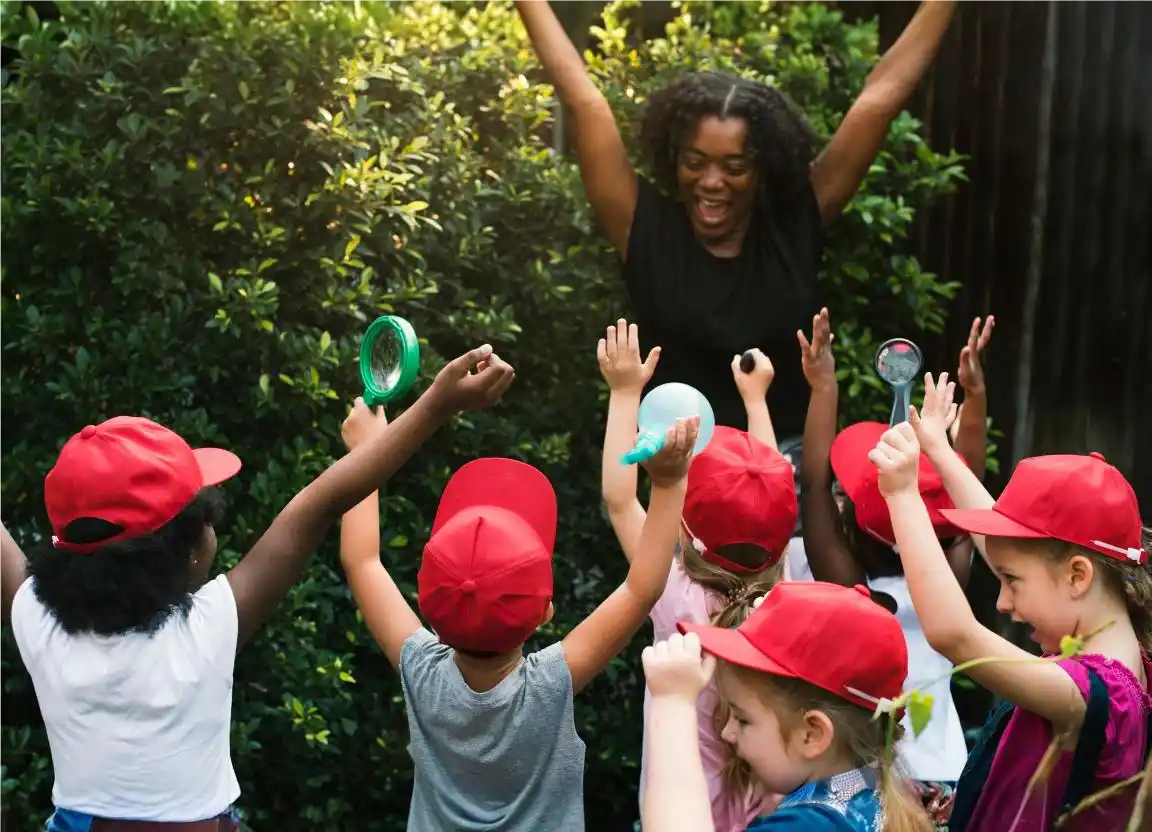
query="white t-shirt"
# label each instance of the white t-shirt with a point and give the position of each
(939, 752)
(138, 724)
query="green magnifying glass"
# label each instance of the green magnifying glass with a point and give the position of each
(389, 360)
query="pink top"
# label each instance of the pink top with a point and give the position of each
(686, 600)
(1026, 738)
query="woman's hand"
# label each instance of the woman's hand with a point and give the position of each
(937, 414)
(819, 365)
(971, 374)
(362, 424)
(676, 669)
(754, 386)
(619, 357)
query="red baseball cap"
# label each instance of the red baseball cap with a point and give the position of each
(486, 578)
(860, 480)
(131, 472)
(834, 637)
(740, 491)
(1078, 499)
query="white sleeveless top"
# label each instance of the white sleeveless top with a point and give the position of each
(138, 724)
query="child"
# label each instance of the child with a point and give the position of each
(130, 648)
(738, 519)
(493, 738)
(854, 544)
(803, 677)
(1065, 541)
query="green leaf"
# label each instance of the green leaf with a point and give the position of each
(215, 282)
(243, 90)
(398, 542)
(264, 383)
(83, 360)
(325, 341)
(919, 711)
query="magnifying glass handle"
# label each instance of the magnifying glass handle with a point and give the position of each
(747, 362)
(899, 404)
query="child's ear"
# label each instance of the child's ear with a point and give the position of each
(548, 613)
(1079, 572)
(815, 734)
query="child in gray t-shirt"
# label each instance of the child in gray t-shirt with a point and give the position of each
(493, 739)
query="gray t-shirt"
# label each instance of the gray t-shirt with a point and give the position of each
(502, 760)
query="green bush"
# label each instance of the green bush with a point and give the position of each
(203, 206)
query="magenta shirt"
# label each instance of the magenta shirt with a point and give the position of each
(1026, 738)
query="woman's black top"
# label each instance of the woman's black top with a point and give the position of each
(702, 309)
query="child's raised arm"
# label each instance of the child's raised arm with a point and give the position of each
(619, 357)
(931, 426)
(602, 635)
(753, 389)
(1041, 687)
(386, 611)
(971, 439)
(676, 795)
(824, 543)
(474, 380)
(13, 570)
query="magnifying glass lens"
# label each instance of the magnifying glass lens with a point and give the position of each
(385, 361)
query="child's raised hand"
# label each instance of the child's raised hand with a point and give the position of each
(819, 365)
(754, 386)
(676, 668)
(473, 381)
(971, 372)
(670, 465)
(619, 358)
(932, 420)
(362, 424)
(897, 456)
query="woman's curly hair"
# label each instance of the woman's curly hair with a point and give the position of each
(781, 142)
(130, 586)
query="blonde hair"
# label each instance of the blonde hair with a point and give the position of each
(1130, 581)
(740, 593)
(856, 734)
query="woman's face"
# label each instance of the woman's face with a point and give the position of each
(717, 178)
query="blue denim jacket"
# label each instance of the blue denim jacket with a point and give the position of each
(848, 802)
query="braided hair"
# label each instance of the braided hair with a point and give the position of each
(781, 142)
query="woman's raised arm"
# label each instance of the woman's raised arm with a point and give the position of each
(841, 167)
(600, 152)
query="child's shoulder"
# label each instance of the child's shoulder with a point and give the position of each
(1125, 692)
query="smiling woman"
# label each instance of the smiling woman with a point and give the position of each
(720, 252)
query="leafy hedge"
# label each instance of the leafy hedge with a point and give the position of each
(205, 203)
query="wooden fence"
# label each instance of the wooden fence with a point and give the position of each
(1050, 100)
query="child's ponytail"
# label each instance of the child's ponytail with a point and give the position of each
(903, 809)
(1138, 594)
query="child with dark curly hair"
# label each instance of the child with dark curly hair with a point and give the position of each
(720, 249)
(130, 647)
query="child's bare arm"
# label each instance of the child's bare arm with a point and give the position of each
(1037, 685)
(676, 795)
(619, 357)
(931, 427)
(753, 387)
(824, 543)
(600, 637)
(474, 380)
(971, 440)
(386, 611)
(13, 570)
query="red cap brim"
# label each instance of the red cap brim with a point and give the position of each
(503, 483)
(987, 521)
(732, 646)
(216, 465)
